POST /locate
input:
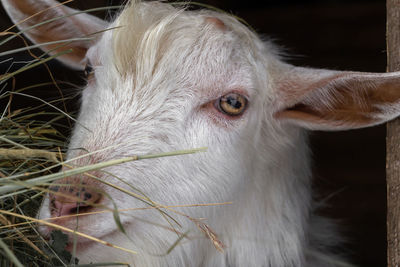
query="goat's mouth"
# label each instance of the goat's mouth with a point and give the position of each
(75, 243)
(79, 228)
(82, 244)
(79, 245)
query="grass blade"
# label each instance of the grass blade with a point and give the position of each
(51, 177)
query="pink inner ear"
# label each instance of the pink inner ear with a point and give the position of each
(62, 28)
(339, 100)
(217, 22)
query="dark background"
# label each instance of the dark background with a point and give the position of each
(349, 167)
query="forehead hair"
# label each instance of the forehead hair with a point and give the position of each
(155, 35)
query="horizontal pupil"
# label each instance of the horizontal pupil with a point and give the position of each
(233, 102)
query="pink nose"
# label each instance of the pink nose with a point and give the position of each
(73, 199)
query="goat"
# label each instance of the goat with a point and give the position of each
(165, 78)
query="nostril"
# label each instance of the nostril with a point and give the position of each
(62, 209)
(80, 208)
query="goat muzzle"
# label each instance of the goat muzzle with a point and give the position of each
(74, 196)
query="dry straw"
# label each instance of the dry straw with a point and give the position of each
(32, 147)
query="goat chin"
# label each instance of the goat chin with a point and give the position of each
(162, 78)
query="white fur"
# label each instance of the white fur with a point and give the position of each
(153, 79)
(260, 166)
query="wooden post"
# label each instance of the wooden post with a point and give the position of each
(393, 141)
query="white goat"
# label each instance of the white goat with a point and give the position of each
(166, 79)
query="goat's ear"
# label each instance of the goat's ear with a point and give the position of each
(27, 13)
(333, 100)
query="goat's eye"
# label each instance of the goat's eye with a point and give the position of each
(89, 71)
(232, 104)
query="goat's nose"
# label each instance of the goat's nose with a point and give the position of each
(72, 199)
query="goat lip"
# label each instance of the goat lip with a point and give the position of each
(83, 243)
(79, 245)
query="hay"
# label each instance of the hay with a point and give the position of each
(32, 148)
